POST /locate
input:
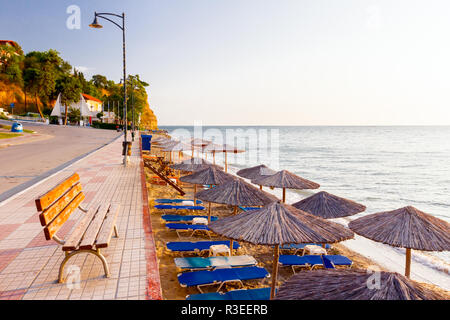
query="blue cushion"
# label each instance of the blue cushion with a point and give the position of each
(196, 278)
(339, 260)
(199, 245)
(327, 263)
(177, 201)
(185, 226)
(176, 217)
(292, 260)
(170, 207)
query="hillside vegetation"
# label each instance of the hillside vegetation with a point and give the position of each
(33, 81)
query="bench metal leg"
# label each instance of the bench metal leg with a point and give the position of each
(73, 253)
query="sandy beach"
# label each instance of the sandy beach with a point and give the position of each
(172, 290)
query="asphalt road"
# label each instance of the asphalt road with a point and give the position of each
(24, 164)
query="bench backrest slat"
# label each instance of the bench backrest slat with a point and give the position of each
(44, 201)
(55, 208)
(53, 227)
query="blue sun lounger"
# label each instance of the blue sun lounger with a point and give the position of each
(245, 209)
(240, 294)
(219, 277)
(166, 201)
(180, 218)
(199, 263)
(338, 260)
(178, 227)
(173, 207)
(311, 261)
(197, 247)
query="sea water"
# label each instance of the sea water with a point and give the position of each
(384, 168)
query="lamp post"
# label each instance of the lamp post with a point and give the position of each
(96, 25)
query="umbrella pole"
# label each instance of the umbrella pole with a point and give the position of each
(284, 195)
(235, 210)
(276, 254)
(226, 163)
(209, 212)
(214, 158)
(260, 187)
(231, 247)
(195, 191)
(408, 263)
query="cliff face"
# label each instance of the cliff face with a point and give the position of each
(12, 93)
(148, 119)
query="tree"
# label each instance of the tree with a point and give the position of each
(99, 81)
(74, 115)
(42, 69)
(137, 96)
(70, 90)
(11, 61)
(87, 87)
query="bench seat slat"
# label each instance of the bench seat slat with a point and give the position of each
(53, 210)
(75, 237)
(44, 201)
(91, 233)
(105, 233)
(53, 227)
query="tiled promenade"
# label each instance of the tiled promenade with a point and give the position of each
(29, 264)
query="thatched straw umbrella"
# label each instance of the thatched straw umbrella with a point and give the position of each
(407, 228)
(236, 193)
(352, 285)
(212, 176)
(192, 165)
(224, 148)
(166, 146)
(256, 172)
(176, 147)
(160, 140)
(198, 144)
(286, 180)
(277, 224)
(329, 206)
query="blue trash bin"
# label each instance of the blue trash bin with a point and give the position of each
(16, 127)
(146, 142)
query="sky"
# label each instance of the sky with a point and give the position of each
(260, 62)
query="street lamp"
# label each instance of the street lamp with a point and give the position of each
(97, 25)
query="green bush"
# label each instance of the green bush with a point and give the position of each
(109, 126)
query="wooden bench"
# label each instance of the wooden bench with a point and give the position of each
(91, 233)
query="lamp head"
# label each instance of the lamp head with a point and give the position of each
(95, 23)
